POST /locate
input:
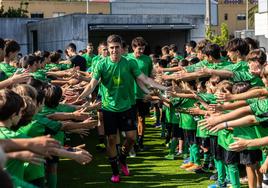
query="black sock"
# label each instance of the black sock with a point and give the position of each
(114, 164)
(168, 136)
(117, 149)
(140, 140)
(101, 139)
(123, 155)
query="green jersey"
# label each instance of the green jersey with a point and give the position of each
(33, 172)
(117, 82)
(260, 109)
(19, 183)
(171, 115)
(195, 67)
(146, 66)
(60, 108)
(225, 138)
(13, 166)
(88, 59)
(7, 69)
(219, 66)
(186, 121)
(210, 99)
(50, 66)
(40, 75)
(239, 66)
(95, 61)
(179, 57)
(245, 76)
(40, 125)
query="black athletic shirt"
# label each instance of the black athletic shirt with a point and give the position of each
(79, 61)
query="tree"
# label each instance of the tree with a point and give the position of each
(12, 12)
(221, 39)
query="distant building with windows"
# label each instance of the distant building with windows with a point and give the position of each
(54, 8)
(160, 22)
(233, 13)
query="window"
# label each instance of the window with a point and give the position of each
(225, 16)
(57, 14)
(37, 15)
(233, 1)
(241, 17)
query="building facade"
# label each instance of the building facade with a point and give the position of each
(159, 22)
(233, 13)
(48, 9)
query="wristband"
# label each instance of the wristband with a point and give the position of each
(226, 125)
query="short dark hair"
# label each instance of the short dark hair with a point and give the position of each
(238, 44)
(27, 113)
(212, 50)
(71, 46)
(165, 48)
(11, 46)
(252, 43)
(191, 44)
(138, 41)
(53, 95)
(114, 38)
(257, 55)
(194, 60)
(201, 44)
(54, 57)
(184, 63)
(240, 87)
(25, 90)
(173, 47)
(28, 60)
(10, 103)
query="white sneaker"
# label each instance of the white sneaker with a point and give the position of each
(132, 153)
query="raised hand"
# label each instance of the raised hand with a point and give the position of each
(42, 145)
(239, 144)
(31, 157)
(207, 123)
(20, 78)
(215, 107)
(82, 156)
(223, 97)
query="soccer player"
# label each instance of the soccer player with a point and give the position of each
(116, 74)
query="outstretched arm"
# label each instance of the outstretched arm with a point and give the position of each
(241, 122)
(149, 81)
(212, 121)
(242, 96)
(89, 89)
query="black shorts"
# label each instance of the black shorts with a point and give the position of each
(215, 149)
(143, 108)
(122, 121)
(250, 157)
(230, 157)
(190, 136)
(205, 142)
(177, 132)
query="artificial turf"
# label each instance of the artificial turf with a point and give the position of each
(149, 169)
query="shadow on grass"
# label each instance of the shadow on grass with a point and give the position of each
(149, 169)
